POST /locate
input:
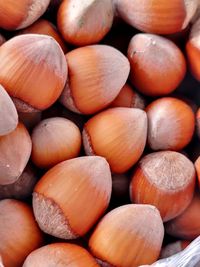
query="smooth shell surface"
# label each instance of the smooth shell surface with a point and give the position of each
(193, 50)
(15, 150)
(33, 68)
(19, 232)
(157, 65)
(187, 224)
(166, 180)
(97, 73)
(157, 16)
(55, 140)
(68, 191)
(128, 98)
(60, 255)
(23, 13)
(85, 22)
(171, 124)
(118, 134)
(124, 237)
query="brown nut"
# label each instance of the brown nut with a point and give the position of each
(193, 50)
(118, 134)
(157, 65)
(66, 190)
(166, 180)
(97, 73)
(171, 124)
(20, 14)
(33, 69)
(55, 140)
(125, 237)
(60, 255)
(15, 151)
(157, 16)
(19, 233)
(85, 22)
(128, 98)
(187, 224)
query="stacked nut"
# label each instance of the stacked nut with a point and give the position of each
(99, 131)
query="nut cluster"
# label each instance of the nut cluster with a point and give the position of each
(99, 131)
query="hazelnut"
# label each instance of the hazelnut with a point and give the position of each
(19, 233)
(59, 255)
(171, 124)
(193, 50)
(157, 16)
(97, 73)
(55, 140)
(15, 151)
(68, 189)
(128, 98)
(85, 22)
(125, 237)
(157, 65)
(166, 180)
(20, 14)
(118, 134)
(187, 224)
(33, 69)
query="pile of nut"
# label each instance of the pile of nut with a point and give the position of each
(99, 131)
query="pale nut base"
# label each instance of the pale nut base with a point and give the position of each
(21, 106)
(66, 99)
(87, 143)
(50, 218)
